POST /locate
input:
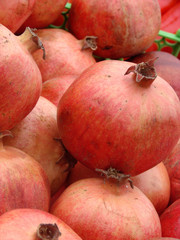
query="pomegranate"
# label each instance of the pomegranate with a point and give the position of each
(58, 193)
(172, 163)
(44, 13)
(53, 89)
(167, 66)
(13, 13)
(124, 28)
(170, 220)
(109, 119)
(34, 224)
(21, 80)
(65, 54)
(23, 182)
(37, 135)
(154, 183)
(111, 211)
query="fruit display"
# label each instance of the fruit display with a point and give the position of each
(89, 120)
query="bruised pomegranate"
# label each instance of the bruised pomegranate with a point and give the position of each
(98, 210)
(53, 89)
(65, 54)
(37, 135)
(34, 224)
(13, 13)
(124, 27)
(167, 66)
(23, 182)
(21, 81)
(128, 122)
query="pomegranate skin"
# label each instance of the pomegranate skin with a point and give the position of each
(23, 182)
(106, 119)
(167, 66)
(44, 13)
(53, 89)
(123, 28)
(172, 163)
(111, 211)
(18, 10)
(154, 183)
(23, 224)
(64, 54)
(35, 135)
(170, 220)
(21, 80)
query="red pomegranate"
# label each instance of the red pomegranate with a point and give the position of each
(154, 183)
(53, 89)
(172, 163)
(23, 182)
(21, 81)
(170, 220)
(98, 210)
(37, 135)
(109, 119)
(13, 13)
(44, 13)
(124, 28)
(34, 224)
(167, 66)
(65, 55)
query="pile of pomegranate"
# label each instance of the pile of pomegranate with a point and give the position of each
(89, 122)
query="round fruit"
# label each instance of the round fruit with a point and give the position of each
(109, 119)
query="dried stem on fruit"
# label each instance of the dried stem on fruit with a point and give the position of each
(37, 40)
(144, 70)
(114, 173)
(48, 232)
(90, 42)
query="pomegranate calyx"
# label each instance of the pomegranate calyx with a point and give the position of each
(114, 173)
(48, 232)
(37, 40)
(89, 42)
(143, 70)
